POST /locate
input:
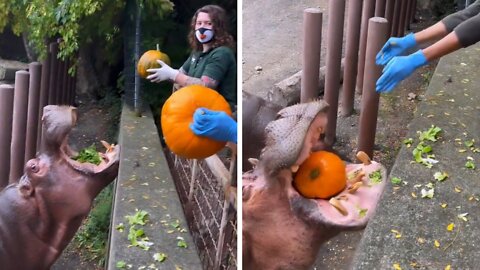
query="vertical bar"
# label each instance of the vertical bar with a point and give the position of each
(389, 14)
(19, 125)
(414, 9)
(408, 14)
(380, 8)
(35, 69)
(377, 36)
(60, 89)
(368, 12)
(63, 98)
(74, 89)
(53, 73)
(192, 180)
(6, 117)
(312, 41)
(336, 14)
(43, 94)
(354, 19)
(403, 15)
(396, 18)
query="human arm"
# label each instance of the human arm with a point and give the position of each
(216, 125)
(401, 67)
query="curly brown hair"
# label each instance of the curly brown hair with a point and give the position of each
(220, 25)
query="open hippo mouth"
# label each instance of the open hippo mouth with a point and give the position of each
(289, 141)
(58, 121)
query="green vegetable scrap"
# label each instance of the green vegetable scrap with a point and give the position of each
(396, 180)
(376, 177)
(431, 134)
(89, 155)
(160, 257)
(140, 218)
(121, 264)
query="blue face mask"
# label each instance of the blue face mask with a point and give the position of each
(204, 35)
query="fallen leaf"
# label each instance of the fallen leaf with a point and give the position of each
(458, 190)
(444, 205)
(463, 216)
(414, 195)
(450, 227)
(447, 267)
(436, 243)
(421, 240)
(396, 266)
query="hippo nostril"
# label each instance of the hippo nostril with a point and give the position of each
(34, 168)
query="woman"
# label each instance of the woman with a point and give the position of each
(212, 62)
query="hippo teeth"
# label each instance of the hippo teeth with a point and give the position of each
(294, 168)
(338, 205)
(353, 188)
(107, 146)
(364, 158)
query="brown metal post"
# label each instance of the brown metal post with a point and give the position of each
(6, 116)
(377, 36)
(19, 125)
(312, 41)
(74, 89)
(403, 16)
(336, 14)
(396, 18)
(414, 9)
(354, 19)
(60, 89)
(389, 14)
(380, 8)
(53, 73)
(35, 70)
(368, 12)
(63, 99)
(43, 94)
(408, 14)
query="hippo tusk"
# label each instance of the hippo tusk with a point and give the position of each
(353, 188)
(253, 161)
(364, 158)
(338, 205)
(107, 146)
(294, 168)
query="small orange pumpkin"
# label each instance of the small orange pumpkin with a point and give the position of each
(322, 175)
(177, 115)
(149, 60)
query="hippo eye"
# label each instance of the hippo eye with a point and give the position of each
(34, 168)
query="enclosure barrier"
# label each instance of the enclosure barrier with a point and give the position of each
(208, 197)
(364, 39)
(21, 110)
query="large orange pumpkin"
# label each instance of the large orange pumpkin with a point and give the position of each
(149, 60)
(322, 175)
(177, 115)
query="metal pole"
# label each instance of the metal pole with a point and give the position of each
(35, 69)
(403, 16)
(53, 73)
(368, 12)
(19, 125)
(389, 14)
(192, 180)
(6, 116)
(380, 8)
(377, 36)
(414, 9)
(396, 18)
(60, 89)
(312, 41)
(354, 19)
(64, 95)
(408, 14)
(336, 14)
(43, 101)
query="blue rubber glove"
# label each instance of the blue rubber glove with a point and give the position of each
(399, 68)
(395, 47)
(216, 125)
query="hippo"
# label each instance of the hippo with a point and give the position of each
(41, 212)
(281, 228)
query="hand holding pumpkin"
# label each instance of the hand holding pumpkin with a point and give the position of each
(165, 72)
(216, 125)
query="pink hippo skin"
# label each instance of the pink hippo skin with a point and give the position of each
(41, 213)
(281, 228)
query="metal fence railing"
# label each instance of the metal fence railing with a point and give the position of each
(208, 200)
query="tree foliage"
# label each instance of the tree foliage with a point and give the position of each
(75, 22)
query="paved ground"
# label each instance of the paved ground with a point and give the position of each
(439, 232)
(272, 32)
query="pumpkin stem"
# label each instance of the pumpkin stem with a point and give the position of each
(314, 173)
(158, 47)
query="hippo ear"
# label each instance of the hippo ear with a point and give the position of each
(353, 207)
(25, 187)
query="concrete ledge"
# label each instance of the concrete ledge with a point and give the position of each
(420, 239)
(287, 92)
(8, 69)
(145, 183)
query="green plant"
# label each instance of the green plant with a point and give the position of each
(93, 235)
